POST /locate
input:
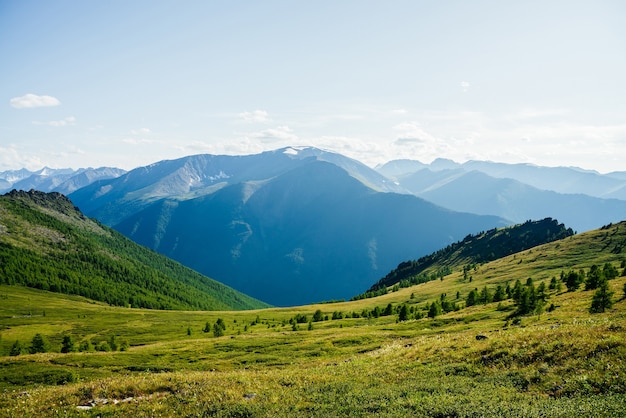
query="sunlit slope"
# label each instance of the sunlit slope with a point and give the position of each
(46, 243)
(483, 360)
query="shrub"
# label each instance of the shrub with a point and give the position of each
(16, 348)
(85, 346)
(218, 331)
(337, 315)
(318, 316)
(103, 346)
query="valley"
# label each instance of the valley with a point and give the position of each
(478, 360)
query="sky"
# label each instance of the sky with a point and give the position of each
(128, 83)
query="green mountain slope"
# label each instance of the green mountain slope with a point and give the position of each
(476, 249)
(47, 243)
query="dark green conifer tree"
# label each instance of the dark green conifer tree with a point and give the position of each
(67, 345)
(218, 331)
(602, 298)
(16, 348)
(572, 281)
(472, 298)
(499, 295)
(435, 309)
(388, 310)
(516, 293)
(318, 316)
(39, 344)
(403, 315)
(594, 277)
(609, 271)
(485, 296)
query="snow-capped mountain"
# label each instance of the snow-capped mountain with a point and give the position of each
(65, 180)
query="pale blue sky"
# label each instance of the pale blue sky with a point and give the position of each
(128, 83)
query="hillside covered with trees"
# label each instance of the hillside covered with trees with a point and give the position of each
(47, 243)
(473, 249)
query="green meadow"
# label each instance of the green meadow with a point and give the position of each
(481, 360)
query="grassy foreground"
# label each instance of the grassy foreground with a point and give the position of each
(562, 363)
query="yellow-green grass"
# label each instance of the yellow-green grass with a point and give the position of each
(566, 362)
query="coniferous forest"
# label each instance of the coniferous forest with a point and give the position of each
(46, 243)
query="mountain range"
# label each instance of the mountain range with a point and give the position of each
(299, 224)
(568, 180)
(583, 200)
(291, 226)
(64, 180)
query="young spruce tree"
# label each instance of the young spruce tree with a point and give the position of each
(602, 298)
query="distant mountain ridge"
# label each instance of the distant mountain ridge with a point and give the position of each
(65, 180)
(476, 192)
(291, 226)
(47, 243)
(583, 200)
(567, 180)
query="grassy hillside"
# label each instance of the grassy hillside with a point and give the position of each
(482, 360)
(48, 244)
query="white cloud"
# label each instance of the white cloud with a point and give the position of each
(278, 134)
(32, 100)
(13, 158)
(258, 116)
(412, 132)
(465, 86)
(71, 120)
(140, 131)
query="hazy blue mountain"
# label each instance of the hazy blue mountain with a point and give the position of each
(566, 180)
(479, 193)
(398, 168)
(559, 179)
(310, 234)
(65, 180)
(621, 175)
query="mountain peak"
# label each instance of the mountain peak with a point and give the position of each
(53, 200)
